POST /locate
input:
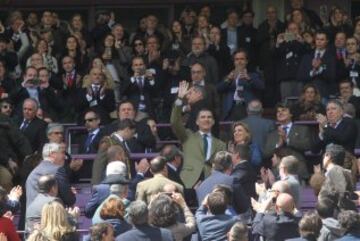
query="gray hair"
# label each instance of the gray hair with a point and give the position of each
(222, 161)
(54, 126)
(50, 148)
(254, 107)
(290, 163)
(34, 101)
(119, 190)
(138, 212)
(116, 167)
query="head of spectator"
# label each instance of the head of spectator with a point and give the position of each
(205, 10)
(222, 162)
(30, 107)
(197, 73)
(216, 203)
(152, 44)
(283, 113)
(205, 120)
(352, 45)
(6, 106)
(47, 184)
(119, 187)
(116, 153)
(238, 232)
(158, 166)
(326, 208)
(232, 18)
(32, 20)
(30, 74)
(126, 110)
(271, 14)
(241, 133)
(285, 203)
(215, 35)
(55, 133)
(334, 155)
(151, 24)
(350, 222)
(162, 211)
(76, 22)
(96, 76)
(152, 125)
(340, 40)
(102, 232)
(72, 46)
(241, 152)
(54, 153)
(298, 17)
(188, 16)
(240, 59)
(170, 188)
(47, 20)
(247, 17)
(321, 40)
(196, 93)
(203, 23)
(349, 110)
(198, 46)
(226, 190)
(334, 111)
(309, 95)
(138, 47)
(119, 33)
(279, 153)
(113, 208)
(102, 18)
(310, 226)
(346, 88)
(68, 64)
(92, 120)
(138, 66)
(42, 46)
(44, 77)
(336, 16)
(288, 166)
(176, 28)
(309, 39)
(293, 28)
(54, 221)
(138, 213)
(254, 108)
(316, 182)
(297, 4)
(36, 61)
(173, 156)
(126, 129)
(280, 187)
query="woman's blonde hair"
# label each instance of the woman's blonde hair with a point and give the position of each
(54, 221)
(246, 128)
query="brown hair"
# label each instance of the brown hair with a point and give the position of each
(246, 128)
(113, 208)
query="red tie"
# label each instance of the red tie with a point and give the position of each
(69, 80)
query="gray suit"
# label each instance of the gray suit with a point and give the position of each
(33, 211)
(260, 128)
(146, 233)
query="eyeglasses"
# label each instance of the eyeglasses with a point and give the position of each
(90, 119)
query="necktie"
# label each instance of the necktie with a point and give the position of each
(205, 145)
(69, 80)
(24, 125)
(285, 128)
(88, 142)
(96, 90)
(318, 55)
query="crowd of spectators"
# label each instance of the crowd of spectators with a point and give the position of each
(216, 183)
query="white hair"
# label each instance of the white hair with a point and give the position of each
(116, 167)
(120, 190)
(50, 148)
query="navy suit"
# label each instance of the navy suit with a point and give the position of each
(216, 178)
(35, 132)
(146, 233)
(244, 174)
(46, 168)
(94, 145)
(325, 79)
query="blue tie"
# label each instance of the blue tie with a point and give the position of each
(205, 144)
(88, 142)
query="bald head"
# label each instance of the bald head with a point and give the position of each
(285, 202)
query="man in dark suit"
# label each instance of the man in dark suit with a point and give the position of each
(97, 96)
(259, 126)
(296, 137)
(242, 171)
(48, 191)
(346, 90)
(31, 126)
(138, 214)
(336, 129)
(141, 86)
(279, 225)
(90, 144)
(174, 158)
(221, 168)
(53, 163)
(230, 34)
(319, 67)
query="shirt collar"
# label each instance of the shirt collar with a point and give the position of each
(172, 166)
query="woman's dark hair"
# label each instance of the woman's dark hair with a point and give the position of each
(133, 44)
(114, 53)
(309, 226)
(162, 211)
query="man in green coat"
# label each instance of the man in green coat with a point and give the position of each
(198, 147)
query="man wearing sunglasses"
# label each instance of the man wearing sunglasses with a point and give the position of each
(90, 143)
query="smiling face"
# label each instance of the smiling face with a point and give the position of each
(240, 135)
(283, 115)
(205, 121)
(333, 113)
(309, 94)
(71, 43)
